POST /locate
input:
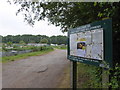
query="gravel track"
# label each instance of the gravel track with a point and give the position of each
(44, 71)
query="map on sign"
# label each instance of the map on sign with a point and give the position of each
(88, 44)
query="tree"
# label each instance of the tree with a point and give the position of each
(3, 47)
(8, 38)
(22, 42)
(44, 40)
(23, 39)
(53, 40)
(73, 14)
(69, 14)
(9, 44)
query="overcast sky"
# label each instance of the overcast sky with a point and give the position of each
(10, 24)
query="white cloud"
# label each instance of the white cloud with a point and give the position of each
(10, 24)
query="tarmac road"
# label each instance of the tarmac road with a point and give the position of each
(43, 71)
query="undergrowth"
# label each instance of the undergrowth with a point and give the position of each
(91, 76)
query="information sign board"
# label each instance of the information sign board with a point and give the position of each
(91, 43)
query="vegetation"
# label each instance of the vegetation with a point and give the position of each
(22, 42)
(44, 40)
(25, 39)
(91, 76)
(73, 14)
(25, 55)
(18, 48)
(9, 43)
(58, 40)
(60, 47)
(69, 14)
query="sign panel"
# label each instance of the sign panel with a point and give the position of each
(87, 43)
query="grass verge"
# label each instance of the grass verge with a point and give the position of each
(60, 47)
(25, 55)
(65, 80)
(88, 76)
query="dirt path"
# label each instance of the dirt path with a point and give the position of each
(35, 72)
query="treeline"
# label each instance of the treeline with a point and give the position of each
(35, 39)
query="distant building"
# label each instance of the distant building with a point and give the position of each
(63, 45)
(53, 44)
(9, 47)
(35, 44)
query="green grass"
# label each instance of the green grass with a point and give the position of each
(60, 47)
(25, 55)
(88, 76)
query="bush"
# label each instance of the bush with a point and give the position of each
(94, 76)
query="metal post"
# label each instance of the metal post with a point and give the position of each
(74, 75)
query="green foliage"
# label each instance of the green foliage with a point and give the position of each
(60, 47)
(93, 76)
(44, 40)
(3, 47)
(22, 42)
(33, 48)
(24, 39)
(73, 14)
(9, 43)
(115, 76)
(88, 76)
(58, 40)
(41, 48)
(69, 14)
(15, 46)
(25, 55)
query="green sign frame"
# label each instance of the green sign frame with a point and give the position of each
(107, 61)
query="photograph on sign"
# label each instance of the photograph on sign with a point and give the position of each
(81, 44)
(88, 44)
